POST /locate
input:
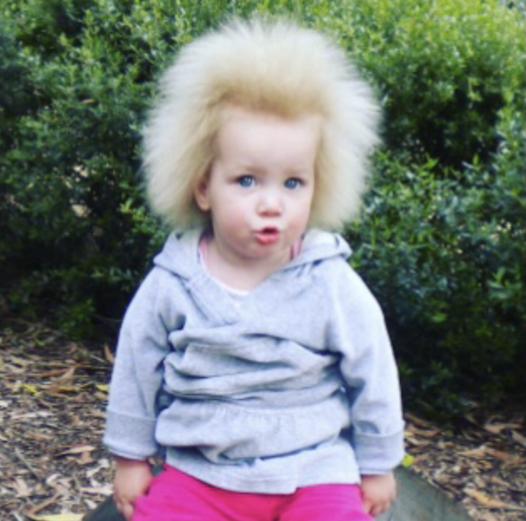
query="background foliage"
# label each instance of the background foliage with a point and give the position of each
(442, 239)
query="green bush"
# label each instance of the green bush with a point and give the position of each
(446, 257)
(442, 239)
(75, 236)
(443, 69)
(70, 168)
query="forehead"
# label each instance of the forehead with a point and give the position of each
(260, 135)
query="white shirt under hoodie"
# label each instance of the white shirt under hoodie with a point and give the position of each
(297, 386)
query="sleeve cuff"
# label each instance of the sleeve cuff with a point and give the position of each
(130, 437)
(378, 454)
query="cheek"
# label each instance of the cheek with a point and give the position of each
(231, 216)
(303, 210)
(303, 220)
(298, 221)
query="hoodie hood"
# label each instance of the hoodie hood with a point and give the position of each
(180, 252)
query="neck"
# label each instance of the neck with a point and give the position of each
(242, 274)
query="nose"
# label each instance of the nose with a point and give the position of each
(269, 203)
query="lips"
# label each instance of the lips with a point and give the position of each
(267, 235)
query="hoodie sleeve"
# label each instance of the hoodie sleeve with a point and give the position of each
(137, 375)
(369, 370)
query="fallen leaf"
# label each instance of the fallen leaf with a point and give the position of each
(491, 503)
(505, 455)
(408, 460)
(78, 450)
(31, 388)
(416, 420)
(92, 505)
(50, 373)
(58, 517)
(91, 472)
(85, 458)
(413, 440)
(479, 452)
(22, 489)
(66, 377)
(426, 433)
(469, 416)
(498, 481)
(519, 438)
(39, 436)
(43, 505)
(497, 428)
(15, 369)
(50, 480)
(103, 490)
(108, 354)
(19, 361)
(31, 415)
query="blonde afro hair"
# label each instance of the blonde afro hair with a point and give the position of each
(275, 67)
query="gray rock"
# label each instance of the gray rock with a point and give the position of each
(418, 500)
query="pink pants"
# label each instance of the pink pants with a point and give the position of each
(175, 496)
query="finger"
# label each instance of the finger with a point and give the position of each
(379, 509)
(127, 511)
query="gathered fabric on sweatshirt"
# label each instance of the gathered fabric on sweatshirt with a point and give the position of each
(295, 387)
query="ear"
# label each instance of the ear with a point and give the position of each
(201, 195)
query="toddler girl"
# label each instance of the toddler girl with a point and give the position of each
(252, 354)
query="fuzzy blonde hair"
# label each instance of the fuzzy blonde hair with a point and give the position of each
(273, 67)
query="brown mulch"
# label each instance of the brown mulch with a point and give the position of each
(481, 465)
(52, 398)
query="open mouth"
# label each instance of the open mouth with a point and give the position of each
(267, 235)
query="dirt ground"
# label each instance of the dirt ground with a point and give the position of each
(52, 467)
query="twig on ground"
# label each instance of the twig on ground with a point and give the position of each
(22, 458)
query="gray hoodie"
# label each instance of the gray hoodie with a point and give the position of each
(296, 386)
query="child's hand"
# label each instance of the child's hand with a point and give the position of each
(132, 479)
(378, 493)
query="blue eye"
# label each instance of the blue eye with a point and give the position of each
(246, 181)
(292, 183)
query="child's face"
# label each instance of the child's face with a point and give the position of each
(261, 184)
